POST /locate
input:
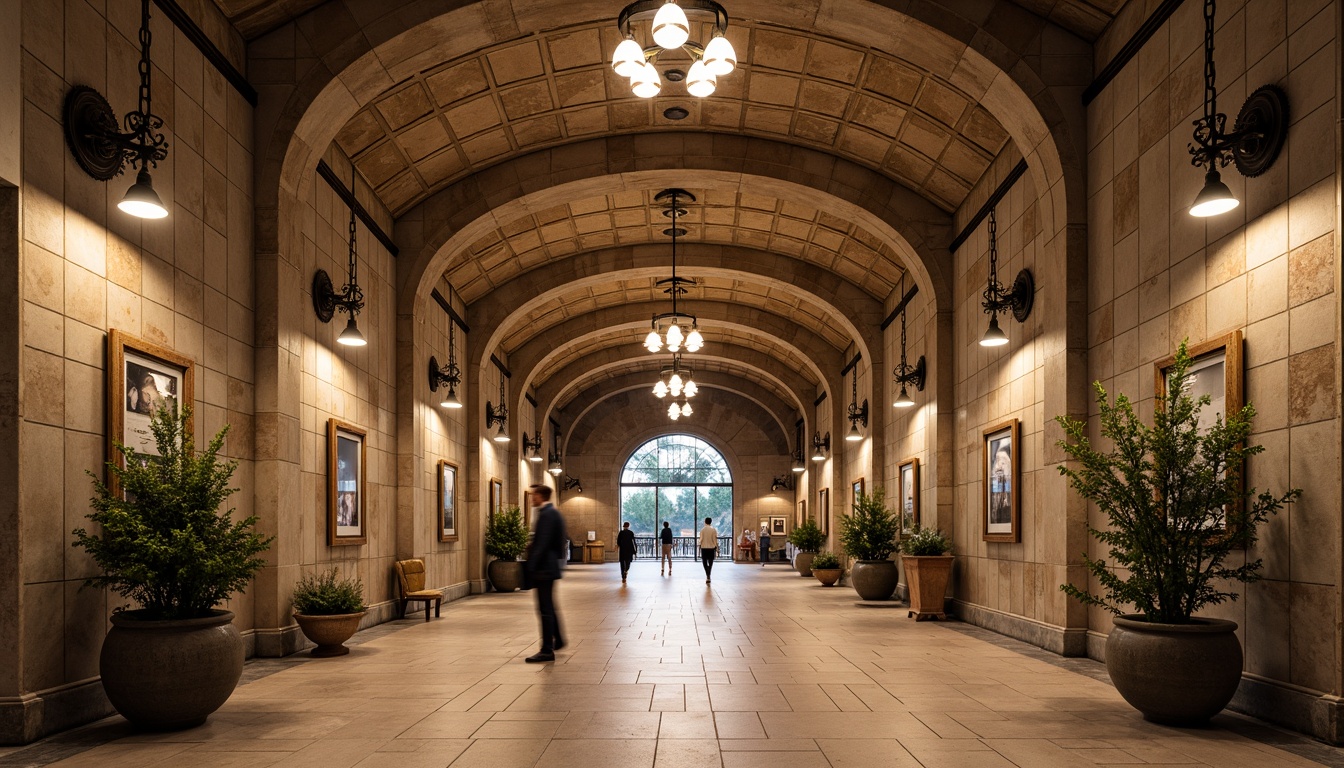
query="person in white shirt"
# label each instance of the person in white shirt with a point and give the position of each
(709, 546)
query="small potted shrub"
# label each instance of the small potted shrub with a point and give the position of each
(868, 535)
(505, 540)
(928, 566)
(328, 609)
(807, 539)
(1175, 508)
(826, 567)
(163, 541)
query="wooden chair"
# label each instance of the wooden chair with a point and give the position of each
(411, 586)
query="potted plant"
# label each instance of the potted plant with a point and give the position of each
(826, 567)
(505, 540)
(162, 541)
(868, 535)
(928, 567)
(1176, 508)
(328, 609)
(807, 538)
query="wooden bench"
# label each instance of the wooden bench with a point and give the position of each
(411, 586)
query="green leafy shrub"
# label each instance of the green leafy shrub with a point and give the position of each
(1173, 497)
(506, 534)
(825, 561)
(326, 594)
(869, 532)
(164, 542)
(807, 537)
(925, 542)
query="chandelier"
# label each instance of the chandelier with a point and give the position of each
(675, 380)
(671, 30)
(674, 330)
(678, 409)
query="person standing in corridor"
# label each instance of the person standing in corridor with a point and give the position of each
(709, 546)
(543, 570)
(666, 539)
(625, 546)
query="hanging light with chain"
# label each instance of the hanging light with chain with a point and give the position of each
(674, 330)
(998, 299)
(326, 301)
(857, 414)
(449, 374)
(912, 375)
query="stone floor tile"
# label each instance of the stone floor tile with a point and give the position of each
(739, 725)
(587, 753)
(865, 752)
(687, 753)
(501, 753)
(686, 725)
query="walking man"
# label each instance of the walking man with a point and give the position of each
(625, 545)
(666, 539)
(544, 557)
(709, 546)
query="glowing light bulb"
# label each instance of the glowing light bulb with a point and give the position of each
(660, 390)
(720, 58)
(645, 82)
(628, 58)
(694, 341)
(700, 82)
(673, 412)
(671, 29)
(686, 409)
(690, 388)
(652, 342)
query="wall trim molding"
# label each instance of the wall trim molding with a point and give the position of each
(348, 195)
(190, 30)
(983, 213)
(1130, 49)
(1061, 640)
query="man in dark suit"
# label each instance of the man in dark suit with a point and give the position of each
(544, 562)
(625, 545)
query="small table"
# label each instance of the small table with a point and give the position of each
(594, 552)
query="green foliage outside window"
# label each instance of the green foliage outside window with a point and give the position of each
(164, 542)
(1173, 498)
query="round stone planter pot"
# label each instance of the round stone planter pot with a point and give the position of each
(874, 579)
(169, 675)
(1175, 674)
(803, 562)
(505, 575)
(329, 632)
(827, 576)
(927, 578)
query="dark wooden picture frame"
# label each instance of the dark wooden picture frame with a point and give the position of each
(346, 443)
(496, 496)
(449, 507)
(802, 513)
(1001, 508)
(824, 510)
(778, 526)
(907, 485)
(132, 364)
(856, 490)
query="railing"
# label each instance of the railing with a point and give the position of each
(683, 547)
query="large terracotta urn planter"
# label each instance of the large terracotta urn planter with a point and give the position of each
(505, 575)
(1175, 674)
(803, 562)
(874, 579)
(168, 675)
(329, 632)
(927, 577)
(827, 576)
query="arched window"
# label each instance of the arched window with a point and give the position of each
(678, 479)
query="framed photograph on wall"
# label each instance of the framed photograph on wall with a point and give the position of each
(802, 513)
(142, 377)
(824, 510)
(496, 496)
(908, 482)
(1001, 502)
(447, 501)
(778, 526)
(346, 453)
(855, 493)
(1217, 369)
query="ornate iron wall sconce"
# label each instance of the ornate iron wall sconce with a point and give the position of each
(911, 375)
(781, 483)
(1018, 300)
(573, 484)
(532, 446)
(857, 414)
(553, 458)
(820, 446)
(351, 298)
(102, 150)
(498, 414)
(1254, 143)
(449, 374)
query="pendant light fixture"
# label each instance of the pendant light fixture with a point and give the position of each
(671, 30)
(553, 464)
(351, 298)
(1254, 143)
(797, 455)
(907, 375)
(532, 447)
(498, 414)
(103, 151)
(857, 414)
(676, 380)
(820, 446)
(674, 330)
(998, 299)
(449, 374)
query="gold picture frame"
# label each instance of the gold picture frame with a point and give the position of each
(496, 496)
(802, 513)
(1001, 503)
(347, 460)
(907, 484)
(448, 501)
(856, 490)
(824, 511)
(141, 376)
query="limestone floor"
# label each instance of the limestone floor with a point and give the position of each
(764, 668)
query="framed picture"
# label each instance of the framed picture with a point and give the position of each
(142, 377)
(1002, 505)
(777, 525)
(908, 482)
(447, 501)
(1217, 370)
(346, 454)
(824, 510)
(802, 513)
(857, 491)
(496, 496)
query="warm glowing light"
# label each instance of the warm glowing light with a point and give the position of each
(700, 82)
(994, 336)
(628, 58)
(645, 82)
(903, 400)
(720, 58)
(451, 399)
(660, 389)
(671, 29)
(351, 337)
(694, 341)
(653, 342)
(141, 200)
(1214, 198)
(690, 388)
